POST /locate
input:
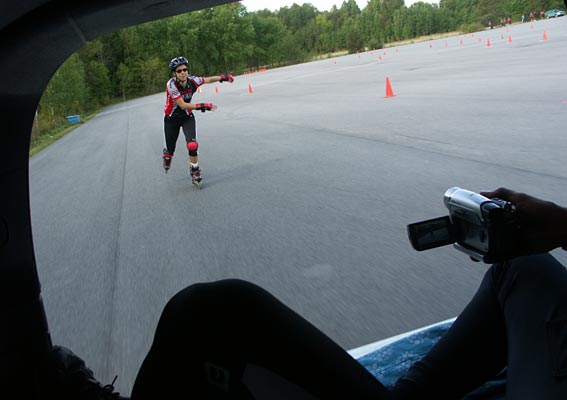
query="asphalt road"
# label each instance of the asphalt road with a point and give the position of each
(309, 183)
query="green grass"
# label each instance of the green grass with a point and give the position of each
(46, 139)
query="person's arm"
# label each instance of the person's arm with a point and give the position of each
(543, 224)
(219, 78)
(195, 106)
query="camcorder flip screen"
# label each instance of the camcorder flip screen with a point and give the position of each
(430, 234)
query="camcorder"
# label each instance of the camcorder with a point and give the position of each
(480, 227)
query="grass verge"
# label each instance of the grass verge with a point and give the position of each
(46, 139)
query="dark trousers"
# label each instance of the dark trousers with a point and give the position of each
(517, 319)
(232, 339)
(171, 126)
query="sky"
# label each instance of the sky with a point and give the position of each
(321, 5)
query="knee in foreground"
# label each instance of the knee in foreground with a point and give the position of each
(534, 268)
(223, 293)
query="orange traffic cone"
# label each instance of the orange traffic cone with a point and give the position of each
(250, 89)
(335, 62)
(544, 35)
(510, 39)
(379, 58)
(389, 91)
(461, 42)
(216, 89)
(488, 44)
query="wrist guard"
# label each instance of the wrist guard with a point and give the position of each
(204, 106)
(226, 78)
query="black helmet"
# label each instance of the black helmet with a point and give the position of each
(176, 62)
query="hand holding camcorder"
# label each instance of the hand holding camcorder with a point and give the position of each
(494, 226)
(487, 229)
(543, 223)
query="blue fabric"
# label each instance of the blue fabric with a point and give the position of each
(390, 362)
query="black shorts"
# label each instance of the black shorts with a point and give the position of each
(171, 127)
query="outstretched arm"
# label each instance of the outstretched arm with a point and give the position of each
(219, 78)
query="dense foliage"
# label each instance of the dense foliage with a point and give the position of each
(133, 62)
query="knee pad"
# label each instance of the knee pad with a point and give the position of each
(192, 147)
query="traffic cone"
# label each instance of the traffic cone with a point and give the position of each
(379, 58)
(488, 44)
(335, 62)
(250, 88)
(461, 42)
(510, 39)
(389, 91)
(544, 35)
(216, 89)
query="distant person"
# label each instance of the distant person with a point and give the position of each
(179, 112)
(490, 25)
(509, 20)
(523, 18)
(541, 14)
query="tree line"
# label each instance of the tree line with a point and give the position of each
(132, 62)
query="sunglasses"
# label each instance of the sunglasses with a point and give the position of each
(178, 71)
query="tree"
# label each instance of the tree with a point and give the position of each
(66, 92)
(97, 83)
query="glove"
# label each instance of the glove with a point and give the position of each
(226, 78)
(205, 107)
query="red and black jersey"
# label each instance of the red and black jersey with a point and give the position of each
(174, 91)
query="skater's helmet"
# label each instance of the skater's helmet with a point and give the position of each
(176, 62)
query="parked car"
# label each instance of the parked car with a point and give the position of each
(554, 13)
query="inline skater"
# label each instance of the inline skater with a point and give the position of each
(179, 112)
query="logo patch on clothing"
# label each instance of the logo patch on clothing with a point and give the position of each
(217, 376)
